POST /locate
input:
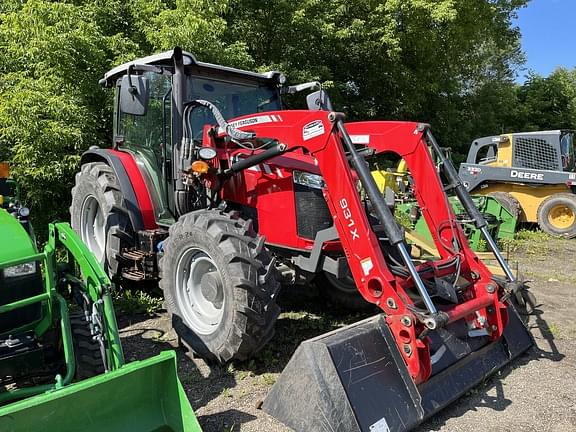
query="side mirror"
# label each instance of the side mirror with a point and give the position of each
(134, 94)
(319, 101)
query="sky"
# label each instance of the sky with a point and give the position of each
(548, 30)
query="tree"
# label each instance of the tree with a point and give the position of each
(548, 102)
(447, 62)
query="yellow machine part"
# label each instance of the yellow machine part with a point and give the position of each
(504, 155)
(423, 246)
(529, 197)
(390, 179)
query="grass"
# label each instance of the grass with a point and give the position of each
(227, 393)
(532, 242)
(136, 302)
(268, 378)
(551, 329)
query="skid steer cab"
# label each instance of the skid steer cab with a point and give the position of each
(215, 190)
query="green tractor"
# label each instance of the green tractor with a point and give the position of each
(61, 361)
(501, 221)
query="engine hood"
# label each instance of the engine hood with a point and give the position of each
(16, 243)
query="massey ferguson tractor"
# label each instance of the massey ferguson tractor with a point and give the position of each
(213, 189)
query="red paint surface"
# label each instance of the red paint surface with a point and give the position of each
(139, 186)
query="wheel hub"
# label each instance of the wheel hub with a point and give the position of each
(561, 216)
(212, 290)
(199, 291)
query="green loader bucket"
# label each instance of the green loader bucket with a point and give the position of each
(143, 396)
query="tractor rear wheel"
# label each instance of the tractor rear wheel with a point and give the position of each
(507, 201)
(219, 285)
(97, 216)
(557, 215)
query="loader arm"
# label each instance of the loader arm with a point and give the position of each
(478, 296)
(82, 269)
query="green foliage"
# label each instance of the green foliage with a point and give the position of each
(548, 103)
(136, 302)
(447, 62)
(531, 242)
(51, 107)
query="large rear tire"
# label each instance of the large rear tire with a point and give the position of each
(557, 215)
(219, 285)
(97, 215)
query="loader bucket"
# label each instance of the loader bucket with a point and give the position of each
(143, 396)
(354, 379)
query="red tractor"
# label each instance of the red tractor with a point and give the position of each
(217, 192)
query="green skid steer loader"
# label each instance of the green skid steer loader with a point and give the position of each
(61, 362)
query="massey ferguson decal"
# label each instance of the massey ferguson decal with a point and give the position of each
(251, 121)
(348, 216)
(312, 129)
(526, 175)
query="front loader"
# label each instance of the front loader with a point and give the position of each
(217, 192)
(61, 361)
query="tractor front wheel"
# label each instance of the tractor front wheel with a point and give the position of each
(219, 284)
(87, 352)
(557, 215)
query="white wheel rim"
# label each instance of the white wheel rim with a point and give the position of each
(93, 227)
(198, 312)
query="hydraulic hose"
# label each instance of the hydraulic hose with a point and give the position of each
(256, 159)
(391, 228)
(466, 200)
(222, 123)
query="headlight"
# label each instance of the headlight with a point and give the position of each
(20, 270)
(207, 153)
(307, 179)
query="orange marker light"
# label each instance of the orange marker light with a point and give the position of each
(200, 167)
(4, 170)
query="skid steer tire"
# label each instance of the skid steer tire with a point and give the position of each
(342, 292)
(507, 201)
(98, 215)
(219, 285)
(86, 350)
(557, 215)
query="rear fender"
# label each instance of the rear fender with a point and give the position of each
(137, 202)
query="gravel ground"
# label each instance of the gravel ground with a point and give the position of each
(534, 393)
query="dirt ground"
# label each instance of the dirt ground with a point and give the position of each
(535, 393)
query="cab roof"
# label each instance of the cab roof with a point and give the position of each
(166, 59)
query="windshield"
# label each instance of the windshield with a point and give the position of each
(567, 148)
(234, 99)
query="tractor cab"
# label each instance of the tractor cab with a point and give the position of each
(157, 120)
(154, 94)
